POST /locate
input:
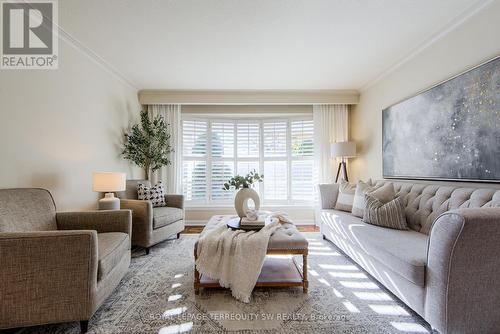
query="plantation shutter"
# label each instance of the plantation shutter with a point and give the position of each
(302, 138)
(222, 149)
(194, 138)
(194, 184)
(248, 139)
(276, 180)
(302, 167)
(222, 145)
(214, 150)
(274, 138)
(194, 166)
(275, 160)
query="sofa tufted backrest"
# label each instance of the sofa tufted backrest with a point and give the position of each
(425, 202)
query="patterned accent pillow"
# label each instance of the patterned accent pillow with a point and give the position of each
(390, 214)
(358, 205)
(345, 197)
(155, 194)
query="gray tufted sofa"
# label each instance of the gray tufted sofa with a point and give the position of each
(446, 267)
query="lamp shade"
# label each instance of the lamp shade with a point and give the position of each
(108, 182)
(344, 149)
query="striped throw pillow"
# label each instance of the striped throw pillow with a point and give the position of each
(390, 214)
(345, 197)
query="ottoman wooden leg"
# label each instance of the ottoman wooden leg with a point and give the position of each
(305, 282)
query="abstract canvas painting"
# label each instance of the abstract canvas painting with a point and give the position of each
(448, 132)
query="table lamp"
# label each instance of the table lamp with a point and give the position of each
(343, 150)
(108, 183)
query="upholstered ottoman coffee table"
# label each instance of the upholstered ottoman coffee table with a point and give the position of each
(276, 271)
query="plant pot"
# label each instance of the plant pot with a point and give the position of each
(241, 201)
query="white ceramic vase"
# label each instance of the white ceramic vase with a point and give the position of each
(241, 201)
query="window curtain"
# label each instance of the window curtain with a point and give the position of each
(330, 126)
(170, 175)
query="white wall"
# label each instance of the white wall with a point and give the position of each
(58, 126)
(470, 44)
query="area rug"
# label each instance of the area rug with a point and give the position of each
(157, 296)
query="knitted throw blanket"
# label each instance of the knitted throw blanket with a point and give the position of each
(234, 258)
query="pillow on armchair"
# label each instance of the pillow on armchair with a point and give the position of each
(155, 194)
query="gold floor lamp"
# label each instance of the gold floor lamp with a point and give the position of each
(343, 150)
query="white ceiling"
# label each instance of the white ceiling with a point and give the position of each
(256, 44)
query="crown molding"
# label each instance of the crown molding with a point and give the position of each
(93, 56)
(450, 26)
(248, 97)
(89, 53)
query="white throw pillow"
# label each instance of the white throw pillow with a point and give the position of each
(384, 194)
(358, 205)
(155, 194)
(345, 197)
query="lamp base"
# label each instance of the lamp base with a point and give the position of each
(342, 165)
(109, 202)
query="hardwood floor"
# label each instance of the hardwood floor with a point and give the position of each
(302, 228)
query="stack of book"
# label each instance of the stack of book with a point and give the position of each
(253, 224)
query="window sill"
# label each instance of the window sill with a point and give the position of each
(274, 207)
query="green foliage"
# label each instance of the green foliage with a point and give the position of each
(148, 144)
(239, 181)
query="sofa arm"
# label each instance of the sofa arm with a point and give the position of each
(463, 266)
(175, 201)
(47, 277)
(101, 221)
(328, 195)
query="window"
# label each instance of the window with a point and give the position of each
(216, 149)
(194, 164)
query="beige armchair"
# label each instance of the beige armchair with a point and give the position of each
(57, 267)
(151, 225)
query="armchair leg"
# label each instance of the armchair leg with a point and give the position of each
(147, 250)
(84, 326)
(178, 235)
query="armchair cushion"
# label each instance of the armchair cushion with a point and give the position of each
(164, 216)
(111, 247)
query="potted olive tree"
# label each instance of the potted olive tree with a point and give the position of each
(147, 144)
